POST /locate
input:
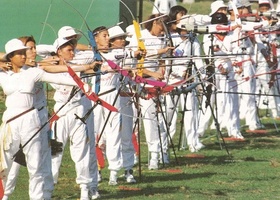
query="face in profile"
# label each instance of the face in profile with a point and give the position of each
(18, 58)
(31, 51)
(66, 52)
(102, 40)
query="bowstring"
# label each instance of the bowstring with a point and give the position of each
(45, 22)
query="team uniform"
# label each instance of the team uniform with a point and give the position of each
(21, 129)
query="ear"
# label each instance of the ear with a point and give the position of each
(59, 52)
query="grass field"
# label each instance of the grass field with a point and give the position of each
(251, 171)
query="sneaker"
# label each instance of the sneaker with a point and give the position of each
(129, 177)
(113, 178)
(99, 177)
(238, 136)
(94, 194)
(84, 192)
(5, 197)
(153, 164)
(192, 149)
(199, 146)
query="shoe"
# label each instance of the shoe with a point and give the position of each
(192, 149)
(94, 194)
(129, 177)
(257, 127)
(199, 146)
(99, 177)
(84, 192)
(153, 164)
(165, 158)
(238, 136)
(5, 197)
(113, 178)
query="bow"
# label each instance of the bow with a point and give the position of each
(97, 55)
(137, 79)
(141, 45)
(237, 19)
(90, 95)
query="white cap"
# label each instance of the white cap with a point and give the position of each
(216, 5)
(186, 22)
(130, 32)
(245, 3)
(238, 4)
(61, 41)
(13, 45)
(116, 31)
(68, 31)
(264, 2)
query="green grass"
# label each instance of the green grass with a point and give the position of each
(251, 172)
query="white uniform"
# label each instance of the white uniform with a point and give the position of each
(189, 102)
(87, 57)
(69, 127)
(40, 103)
(153, 124)
(227, 103)
(21, 86)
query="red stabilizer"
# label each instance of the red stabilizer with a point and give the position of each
(1, 189)
(135, 143)
(100, 157)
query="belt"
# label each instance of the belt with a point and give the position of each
(19, 115)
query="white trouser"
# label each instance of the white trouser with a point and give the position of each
(11, 179)
(90, 132)
(228, 106)
(22, 129)
(68, 127)
(127, 148)
(248, 101)
(45, 158)
(153, 126)
(191, 118)
(263, 86)
(111, 130)
(205, 114)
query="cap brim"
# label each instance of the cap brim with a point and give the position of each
(119, 35)
(212, 13)
(4, 57)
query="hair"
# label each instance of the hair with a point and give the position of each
(175, 10)
(72, 43)
(99, 29)
(265, 5)
(149, 24)
(26, 39)
(8, 57)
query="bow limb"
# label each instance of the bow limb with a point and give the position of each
(97, 56)
(90, 95)
(237, 19)
(141, 45)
